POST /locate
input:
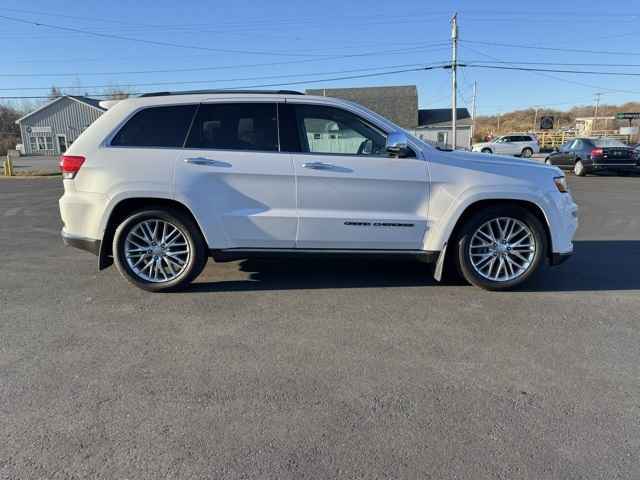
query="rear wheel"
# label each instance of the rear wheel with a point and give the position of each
(578, 169)
(159, 250)
(527, 153)
(548, 161)
(500, 247)
(486, 150)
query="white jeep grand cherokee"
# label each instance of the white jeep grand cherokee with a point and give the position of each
(163, 181)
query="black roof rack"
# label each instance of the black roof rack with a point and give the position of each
(214, 92)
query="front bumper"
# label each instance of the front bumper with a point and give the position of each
(87, 244)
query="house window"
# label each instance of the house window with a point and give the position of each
(41, 143)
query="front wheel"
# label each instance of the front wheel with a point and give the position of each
(500, 247)
(159, 250)
(486, 150)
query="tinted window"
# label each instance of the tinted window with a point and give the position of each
(525, 138)
(235, 126)
(156, 127)
(608, 142)
(333, 130)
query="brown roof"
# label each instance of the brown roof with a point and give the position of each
(397, 103)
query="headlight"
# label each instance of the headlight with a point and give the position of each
(561, 184)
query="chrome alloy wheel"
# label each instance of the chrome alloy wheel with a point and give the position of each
(502, 249)
(156, 250)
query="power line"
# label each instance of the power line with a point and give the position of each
(552, 70)
(265, 85)
(195, 82)
(426, 47)
(149, 42)
(557, 49)
(514, 62)
(553, 77)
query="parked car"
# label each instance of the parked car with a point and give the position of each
(163, 181)
(586, 155)
(524, 145)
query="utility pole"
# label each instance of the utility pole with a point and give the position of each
(473, 113)
(535, 120)
(595, 112)
(454, 80)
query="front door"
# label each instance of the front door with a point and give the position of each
(351, 194)
(62, 143)
(232, 174)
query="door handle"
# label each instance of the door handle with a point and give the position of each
(207, 162)
(318, 166)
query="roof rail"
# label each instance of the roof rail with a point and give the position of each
(217, 92)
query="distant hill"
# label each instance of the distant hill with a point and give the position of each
(522, 120)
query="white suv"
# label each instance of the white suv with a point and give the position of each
(522, 144)
(163, 181)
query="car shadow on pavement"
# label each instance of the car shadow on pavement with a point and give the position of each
(316, 272)
(595, 265)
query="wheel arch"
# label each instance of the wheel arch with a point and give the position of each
(481, 204)
(123, 208)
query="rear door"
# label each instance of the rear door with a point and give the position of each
(562, 157)
(233, 176)
(351, 194)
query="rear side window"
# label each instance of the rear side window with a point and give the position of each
(235, 126)
(156, 127)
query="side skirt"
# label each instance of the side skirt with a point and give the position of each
(233, 254)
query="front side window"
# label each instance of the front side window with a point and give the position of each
(332, 130)
(156, 127)
(235, 126)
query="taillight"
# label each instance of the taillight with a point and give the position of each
(70, 165)
(597, 153)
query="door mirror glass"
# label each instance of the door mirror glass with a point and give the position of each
(397, 144)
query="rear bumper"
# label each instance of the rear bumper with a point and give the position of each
(632, 167)
(87, 244)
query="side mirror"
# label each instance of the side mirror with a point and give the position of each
(397, 144)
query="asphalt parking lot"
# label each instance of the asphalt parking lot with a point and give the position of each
(319, 369)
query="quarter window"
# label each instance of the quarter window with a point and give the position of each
(235, 126)
(334, 131)
(156, 127)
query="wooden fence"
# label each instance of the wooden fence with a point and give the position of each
(549, 139)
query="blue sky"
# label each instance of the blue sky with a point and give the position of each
(243, 43)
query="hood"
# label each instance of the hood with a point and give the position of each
(487, 158)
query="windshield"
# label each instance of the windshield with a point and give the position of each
(608, 142)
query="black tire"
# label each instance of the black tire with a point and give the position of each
(486, 150)
(463, 251)
(579, 169)
(194, 264)
(548, 161)
(526, 153)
